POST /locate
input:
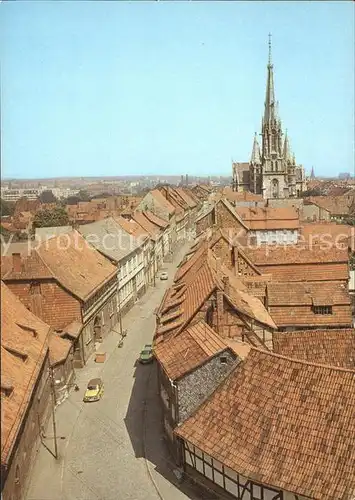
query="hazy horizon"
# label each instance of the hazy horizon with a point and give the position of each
(105, 89)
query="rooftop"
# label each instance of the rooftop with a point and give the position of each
(108, 237)
(266, 218)
(24, 346)
(329, 347)
(282, 422)
(189, 349)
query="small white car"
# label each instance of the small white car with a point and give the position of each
(164, 275)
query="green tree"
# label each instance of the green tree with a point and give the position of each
(74, 199)
(51, 218)
(47, 197)
(6, 207)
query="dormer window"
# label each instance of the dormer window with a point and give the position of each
(6, 390)
(323, 309)
(28, 329)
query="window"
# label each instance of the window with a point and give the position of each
(223, 360)
(322, 309)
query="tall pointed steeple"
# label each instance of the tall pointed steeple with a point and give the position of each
(312, 173)
(287, 155)
(269, 112)
(255, 154)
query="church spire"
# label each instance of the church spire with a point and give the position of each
(287, 149)
(312, 173)
(255, 155)
(269, 113)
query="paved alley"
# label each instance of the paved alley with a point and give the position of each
(102, 446)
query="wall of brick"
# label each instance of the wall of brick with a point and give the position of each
(28, 442)
(222, 249)
(199, 384)
(203, 224)
(224, 217)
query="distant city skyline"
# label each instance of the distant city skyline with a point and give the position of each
(171, 88)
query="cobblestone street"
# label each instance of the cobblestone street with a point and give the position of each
(113, 449)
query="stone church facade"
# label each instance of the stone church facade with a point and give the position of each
(272, 170)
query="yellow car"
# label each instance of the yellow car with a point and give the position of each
(94, 391)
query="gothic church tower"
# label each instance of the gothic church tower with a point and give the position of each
(272, 170)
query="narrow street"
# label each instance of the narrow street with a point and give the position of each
(113, 449)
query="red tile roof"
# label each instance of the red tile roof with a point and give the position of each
(235, 196)
(79, 268)
(186, 197)
(154, 219)
(188, 350)
(296, 254)
(195, 281)
(329, 347)
(161, 200)
(24, 347)
(70, 260)
(58, 349)
(131, 226)
(336, 205)
(308, 293)
(146, 224)
(284, 423)
(337, 234)
(290, 304)
(258, 218)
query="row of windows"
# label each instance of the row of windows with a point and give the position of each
(130, 265)
(99, 294)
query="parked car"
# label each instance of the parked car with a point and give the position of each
(146, 355)
(164, 275)
(94, 391)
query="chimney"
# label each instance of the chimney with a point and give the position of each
(236, 264)
(16, 262)
(226, 284)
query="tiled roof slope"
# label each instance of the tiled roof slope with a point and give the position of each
(269, 218)
(291, 303)
(154, 219)
(160, 198)
(329, 347)
(282, 422)
(295, 254)
(24, 346)
(110, 239)
(145, 223)
(188, 350)
(79, 268)
(130, 226)
(32, 267)
(336, 205)
(336, 233)
(194, 283)
(186, 197)
(235, 196)
(308, 293)
(59, 349)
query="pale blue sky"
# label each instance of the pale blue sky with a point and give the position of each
(117, 88)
